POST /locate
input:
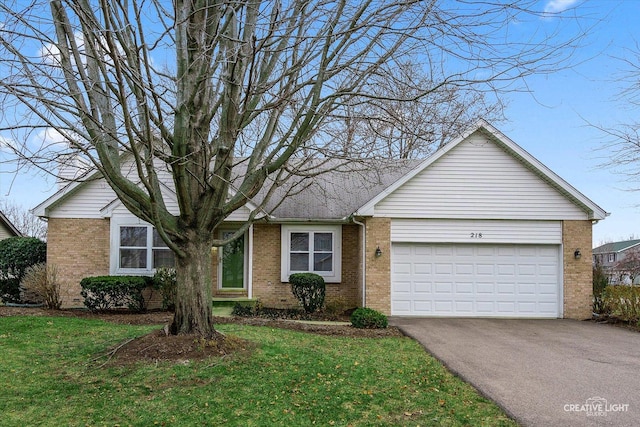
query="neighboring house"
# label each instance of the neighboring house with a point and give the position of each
(480, 228)
(620, 261)
(7, 229)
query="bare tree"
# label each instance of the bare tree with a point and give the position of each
(384, 125)
(622, 140)
(26, 222)
(628, 269)
(140, 89)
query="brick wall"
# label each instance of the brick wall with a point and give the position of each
(78, 248)
(266, 269)
(577, 272)
(378, 269)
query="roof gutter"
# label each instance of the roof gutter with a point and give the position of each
(275, 220)
(364, 260)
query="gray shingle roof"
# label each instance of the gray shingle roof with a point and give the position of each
(337, 190)
(616, 246)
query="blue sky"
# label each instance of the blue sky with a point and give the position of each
(551, 121)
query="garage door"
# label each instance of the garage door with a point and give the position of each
(475, 280)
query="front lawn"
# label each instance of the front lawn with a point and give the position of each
(51, 376)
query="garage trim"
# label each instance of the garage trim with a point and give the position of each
(476, 280)
(476, 231)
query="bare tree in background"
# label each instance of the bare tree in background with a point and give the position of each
(26, 222)
(384, 125)
(140, 89)
(622, 144)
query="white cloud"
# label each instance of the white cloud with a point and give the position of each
(7, 144)
(50, 138)
(557, 6)
(51, 54)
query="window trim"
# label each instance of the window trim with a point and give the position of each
(333, 276)
(115, 268)
(612, 257)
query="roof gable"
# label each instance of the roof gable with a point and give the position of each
(11, 230)
(482, 174)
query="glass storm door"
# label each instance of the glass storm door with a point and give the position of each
(232, 263)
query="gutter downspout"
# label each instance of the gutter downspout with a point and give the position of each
(364, 260)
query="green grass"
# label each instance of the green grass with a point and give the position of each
(49, 377)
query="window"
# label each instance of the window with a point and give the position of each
(612, 257)
(141, 248)
(315, 249)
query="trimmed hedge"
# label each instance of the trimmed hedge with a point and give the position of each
(368, 318)
(103, 293)
(310, 290)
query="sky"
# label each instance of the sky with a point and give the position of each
(553, 120)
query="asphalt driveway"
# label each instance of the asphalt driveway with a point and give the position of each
(541, 372)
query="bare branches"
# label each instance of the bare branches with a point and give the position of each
(190, 88)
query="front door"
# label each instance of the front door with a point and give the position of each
(232, 263)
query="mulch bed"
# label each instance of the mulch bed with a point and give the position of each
(158, 346)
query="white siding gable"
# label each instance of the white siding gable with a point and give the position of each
(95, 199)
(86, 202)
(478, 180)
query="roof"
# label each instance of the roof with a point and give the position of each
(5, 221)
(616, 246)
(352, 188)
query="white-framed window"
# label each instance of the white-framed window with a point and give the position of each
(612, 257)
(312, 248)
(139, 249)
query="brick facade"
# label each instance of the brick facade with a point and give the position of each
(378, 269)
(267, 286)
(78, 248)
(578, 291)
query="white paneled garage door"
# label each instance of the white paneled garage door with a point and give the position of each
(475, 280)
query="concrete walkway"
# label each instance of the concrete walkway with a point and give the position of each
(541, 372)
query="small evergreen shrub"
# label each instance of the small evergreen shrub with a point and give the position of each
(10, 290)
(368, 318)
(600, 283)
(309, 289)
(243, 310)
(165, 280)
(16, 255)
(110, 292)
(40, 284)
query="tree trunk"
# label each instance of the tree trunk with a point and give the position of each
(193, 313)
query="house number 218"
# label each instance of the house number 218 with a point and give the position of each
(476, 235)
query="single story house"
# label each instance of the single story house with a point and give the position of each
(7, 229)
(480, 228)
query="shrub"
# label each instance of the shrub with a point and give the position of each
(336, 306)
(368, 318)
(10, 289)
(600, 282)
(110, 292)
(16, 255)
(165, 281)
(244, 310)
(40, 284)
(623, 302)
(310, 290)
